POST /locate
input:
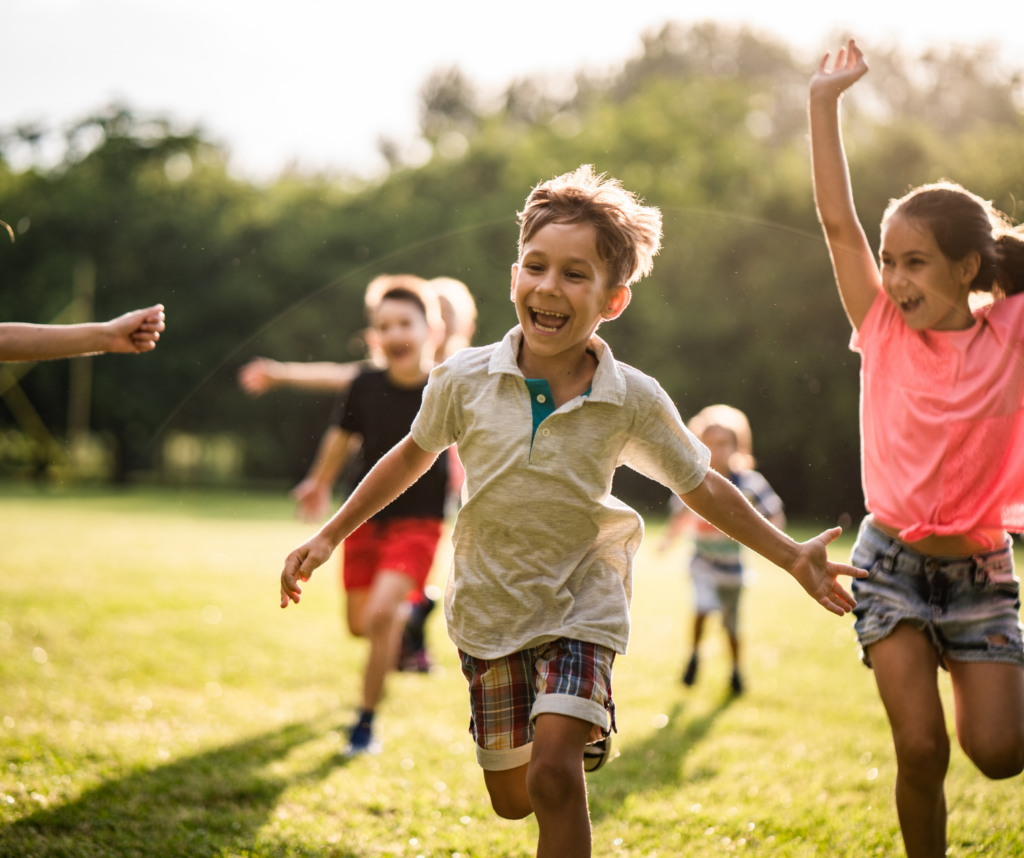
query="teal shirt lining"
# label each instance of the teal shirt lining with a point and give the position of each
(542, 403)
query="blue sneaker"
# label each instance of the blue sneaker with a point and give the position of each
(361, 739)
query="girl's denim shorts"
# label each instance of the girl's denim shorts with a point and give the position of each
(968, 606)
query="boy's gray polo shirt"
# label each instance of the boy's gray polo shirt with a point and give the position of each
(542, 548)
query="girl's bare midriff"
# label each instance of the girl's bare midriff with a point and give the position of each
(947, 546)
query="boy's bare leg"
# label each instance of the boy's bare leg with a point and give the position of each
(557, 788)
(386, 595)
(698, 629)
(989, 701)
(355, 610)
(734, 647)
(906, 665)
(508, 793)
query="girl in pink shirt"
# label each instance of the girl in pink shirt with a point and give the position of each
(942, 426)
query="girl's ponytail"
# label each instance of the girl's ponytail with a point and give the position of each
(1010, 260)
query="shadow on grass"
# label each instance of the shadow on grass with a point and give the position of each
(205, 805)
(654, 763)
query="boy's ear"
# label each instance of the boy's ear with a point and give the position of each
(618, 299)
(515, 272)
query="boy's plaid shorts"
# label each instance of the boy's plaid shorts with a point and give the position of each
(564, 676)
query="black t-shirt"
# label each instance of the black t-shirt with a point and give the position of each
(383, 413)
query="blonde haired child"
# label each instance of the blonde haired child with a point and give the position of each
(942, 432)
(716, 569)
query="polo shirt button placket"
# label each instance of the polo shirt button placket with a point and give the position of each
(545, 432)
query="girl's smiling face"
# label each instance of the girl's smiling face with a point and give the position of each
(929, 289)
(561, 291)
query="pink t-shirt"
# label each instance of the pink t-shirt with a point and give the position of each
(942, 421)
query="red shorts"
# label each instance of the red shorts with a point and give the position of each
(405, 545)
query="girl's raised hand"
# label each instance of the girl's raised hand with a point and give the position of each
(848, 68)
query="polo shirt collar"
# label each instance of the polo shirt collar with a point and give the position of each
(609, 383)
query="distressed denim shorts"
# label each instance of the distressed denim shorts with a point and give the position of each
(968, 606)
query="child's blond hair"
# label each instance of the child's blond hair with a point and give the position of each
(732, 420)
(628, 233)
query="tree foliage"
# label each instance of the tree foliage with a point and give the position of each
(708, 123)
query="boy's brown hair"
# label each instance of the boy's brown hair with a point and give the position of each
(406, 287)
(628, 233)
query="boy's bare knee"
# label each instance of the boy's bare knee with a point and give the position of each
(510, 806)
(380, 621)
(553, 782)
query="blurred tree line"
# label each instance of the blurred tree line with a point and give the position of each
(708, 123)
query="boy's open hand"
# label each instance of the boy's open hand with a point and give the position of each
(848, 68)
(817, 574)
(299, 566)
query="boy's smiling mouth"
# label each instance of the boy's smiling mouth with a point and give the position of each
(547, 321)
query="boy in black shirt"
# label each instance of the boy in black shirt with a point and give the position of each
(391, 554)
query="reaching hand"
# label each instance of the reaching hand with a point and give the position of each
(257, 376)
(817, 574)
(299, 566)
(314, 499)
(848, 68)
(136, 331)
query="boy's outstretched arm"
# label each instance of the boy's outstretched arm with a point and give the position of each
(401, 466)
(136, 331)
(720, 503)
(262, 374)
(852, 260)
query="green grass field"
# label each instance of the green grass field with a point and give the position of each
(155, 701)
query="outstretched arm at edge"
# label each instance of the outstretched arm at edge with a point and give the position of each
(401, 466)
(720, 503)
(854, 265)
(133, 332)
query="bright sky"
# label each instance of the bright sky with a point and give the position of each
(316, 82)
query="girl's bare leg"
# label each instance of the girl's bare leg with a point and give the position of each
(905, 666)
(989, 701)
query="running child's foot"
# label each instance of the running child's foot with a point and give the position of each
(690, 674)
(361, 739)
(736, 682)
(413, 657)
(415, 662)
(597, 754)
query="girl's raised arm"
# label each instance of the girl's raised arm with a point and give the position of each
(854, 264)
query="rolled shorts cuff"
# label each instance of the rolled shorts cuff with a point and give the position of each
(500, 761)
(574, 707)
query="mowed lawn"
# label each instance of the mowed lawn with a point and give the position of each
(155, 701)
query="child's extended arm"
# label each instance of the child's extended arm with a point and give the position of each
(855, 269)
(720, 503)
(133, 332)
(677, 522)
(262, 374)
(313, 494)
(401, 466)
